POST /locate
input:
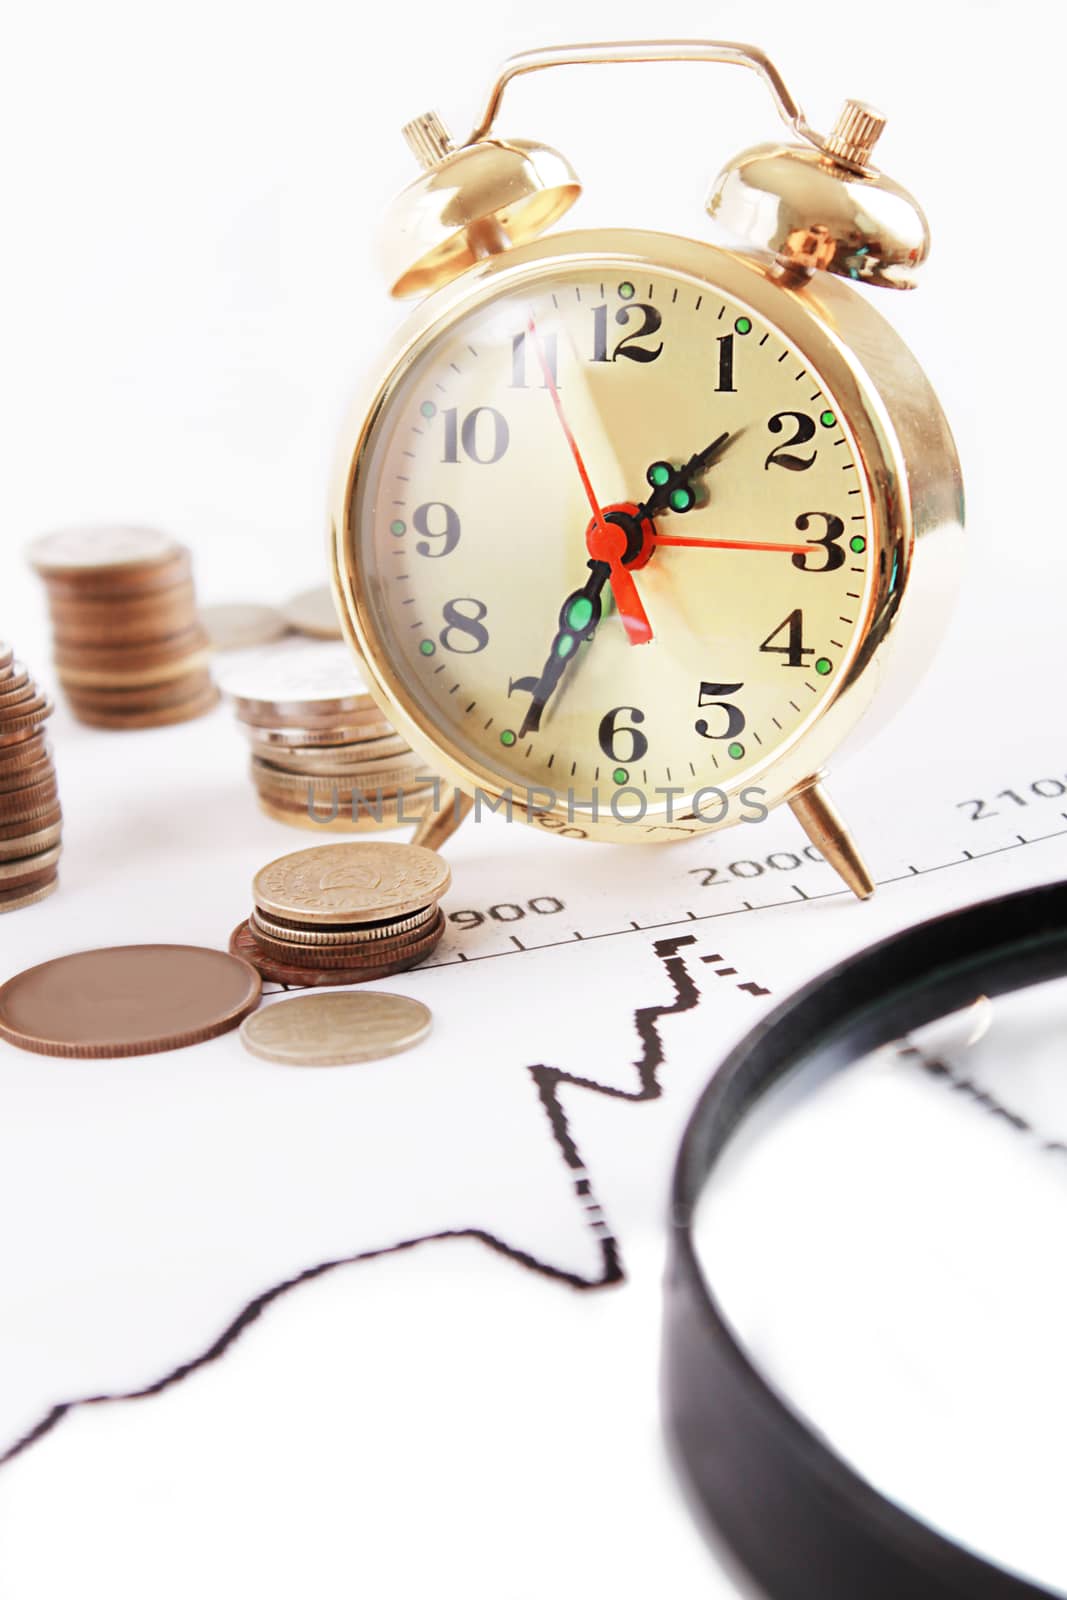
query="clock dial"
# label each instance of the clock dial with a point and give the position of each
(615, 539)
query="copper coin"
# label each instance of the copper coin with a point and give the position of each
(313, 612)
(161, 717)
(129, 1000)
(242, 627)
(131, 678)
(14, 873)
(24, 777)
(130, 657)
(15, 678)
(29, 749)
(11, 741)
(27, 896)
(7, 656)
(346, 933)
(332, 1030)
(30, 704)
(28, 844)
(144, 697)
(27, 721)
(292, 976)
(24, 802)
(104, 619)
(365, 953)
(33, 822)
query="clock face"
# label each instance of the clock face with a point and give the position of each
(615, 542)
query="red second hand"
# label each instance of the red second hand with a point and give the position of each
(729, 544)
(602, 537)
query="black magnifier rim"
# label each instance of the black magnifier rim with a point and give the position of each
(799, 1519)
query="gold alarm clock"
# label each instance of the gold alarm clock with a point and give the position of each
(636, 528)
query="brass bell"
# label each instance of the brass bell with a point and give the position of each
(824, 208)
(468, 203)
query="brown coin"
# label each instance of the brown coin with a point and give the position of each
(130, 678)
(313, 612)
(24, 802)
(242, 627)
(351, 882)
(242, 943)
(161, 717)
(28, 720)
(14, 873)
(15, 899)
(100, 619)
(27, 708)
(24, 777)
(367, 953)
(12, 738)
(15, 679)
(32, 822)
(370, 816)
(7, 656)
(25, 752)
(348, 933)
(332, 1030)
(131, 657)
(76, 552)
(130, 1000)
(28, 844)
(144, 697)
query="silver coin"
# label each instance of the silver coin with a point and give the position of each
(296, 677)
(328, 1030)
(242, 627)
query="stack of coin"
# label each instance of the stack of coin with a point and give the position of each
(323, 754)
(129, 646)
(30, 817)
(344, 913)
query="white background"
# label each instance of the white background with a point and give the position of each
(191, 197)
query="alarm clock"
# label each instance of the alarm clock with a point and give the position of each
(634, 529)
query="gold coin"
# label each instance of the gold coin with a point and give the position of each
(411, 772)
(351, 882)
(242, 627)
(332, 1030)
(18, 898)
(333, 762)
(28, 844)
(349, 933)
(313, 612)
(72, 552)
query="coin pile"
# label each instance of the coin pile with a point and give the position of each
(344, 913)
(30, 816)
(129, 647)
(323, 754)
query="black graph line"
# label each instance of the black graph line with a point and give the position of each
(549, 1082)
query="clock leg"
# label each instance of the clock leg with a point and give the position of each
(823, 825)
(438, 825)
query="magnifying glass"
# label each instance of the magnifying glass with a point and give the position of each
(865, 1348)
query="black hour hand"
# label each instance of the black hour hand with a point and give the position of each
(578, 618)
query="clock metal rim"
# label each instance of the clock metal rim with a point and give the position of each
(907, 460)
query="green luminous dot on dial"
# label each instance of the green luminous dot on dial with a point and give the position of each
(823, 666)
(398, 527)
(564, 644)
(427, 647)
(428, 408)
(626, 291)
(681, 499)
(827, 419)
(857, 544)
(658, 475)
(620, 775)
(735, 750)
(743, 325)
(507, 737)
(580, 613)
